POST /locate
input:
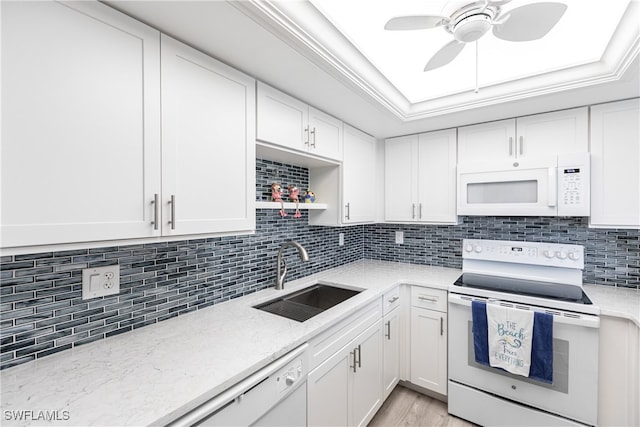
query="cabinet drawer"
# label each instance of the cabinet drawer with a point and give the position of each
(433, 299)
(391, 300)
(324, 345)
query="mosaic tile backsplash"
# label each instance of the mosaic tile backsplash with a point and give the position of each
(612, 257)
(42, 311)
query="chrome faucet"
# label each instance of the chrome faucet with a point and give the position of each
(304, 256)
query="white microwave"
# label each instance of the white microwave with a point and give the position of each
(557, 186)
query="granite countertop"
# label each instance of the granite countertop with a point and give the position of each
(616, 301)
(154, 374)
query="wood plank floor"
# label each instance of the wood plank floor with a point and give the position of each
(406, 407)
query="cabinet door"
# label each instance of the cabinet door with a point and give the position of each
(437, 176)
(487, 142)
(366, 393)
(615, 156)
(358, 175)
(391, 351)
(550, 134)
(618, 372)
(400, 178)
(208, 138)
(429, 349)
(282, 119)
(325, 135)
(328, 391)
(80, 124)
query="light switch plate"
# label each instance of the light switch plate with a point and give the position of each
(100, 281)
(399, 237)
(340, 239)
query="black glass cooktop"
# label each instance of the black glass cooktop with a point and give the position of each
(533, 288)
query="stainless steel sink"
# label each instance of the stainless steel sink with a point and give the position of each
(305, 304)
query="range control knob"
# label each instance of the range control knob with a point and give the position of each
(561, 255)
(289, 379)
(549, 254)
(478, 249)
(468, 247)
(574, 256)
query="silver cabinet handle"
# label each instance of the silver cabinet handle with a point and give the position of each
(313, 133)
(430, 299)
(388, 334)
(393, 299)
(420, 211)
(347, 208)
(156, 210)
(413, 211)
(441, 326)
(306, 131)
(521, 144)
(359, 349)
(511, 146)
(172, 202)
(353, 353)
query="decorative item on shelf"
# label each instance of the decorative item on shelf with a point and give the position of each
(276, 196)
(294, 193)
(309, 196)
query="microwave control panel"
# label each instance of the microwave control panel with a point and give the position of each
(573, 184)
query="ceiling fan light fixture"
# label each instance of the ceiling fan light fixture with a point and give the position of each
(472, 27)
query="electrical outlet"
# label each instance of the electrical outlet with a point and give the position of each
(100, 281)
(340, 239)
(399, 237)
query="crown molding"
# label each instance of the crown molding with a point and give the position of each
(310, 33)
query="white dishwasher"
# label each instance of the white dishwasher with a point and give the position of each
(276, 395)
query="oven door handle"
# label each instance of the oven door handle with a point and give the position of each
(559, 316)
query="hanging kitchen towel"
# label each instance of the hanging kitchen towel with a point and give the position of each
(542, 348)
(510, 335)
(479, 329)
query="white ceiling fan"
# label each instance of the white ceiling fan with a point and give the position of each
(467, 22)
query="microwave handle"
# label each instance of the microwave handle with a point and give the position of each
(552, 187)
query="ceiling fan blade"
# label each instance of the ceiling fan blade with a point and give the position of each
(416, 22)
(529, 22)
(446, 54)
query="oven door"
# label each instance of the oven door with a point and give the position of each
(574, 391)
(523, 191)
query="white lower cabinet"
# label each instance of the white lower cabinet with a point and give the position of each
(619, 372)
(391, 349)
(346, 389)
(428, 342)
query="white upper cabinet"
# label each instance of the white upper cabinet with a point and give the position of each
(400, 178)
(558, 132)
(420, 178)
(487, 142)
(540, 135)
(348, 188)
(615, 156)
(437, 176)
(80, 124)
(290, 123)
(208, 143)
(82, 156)
(282, 119)
(358, 177)
(325, 135)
